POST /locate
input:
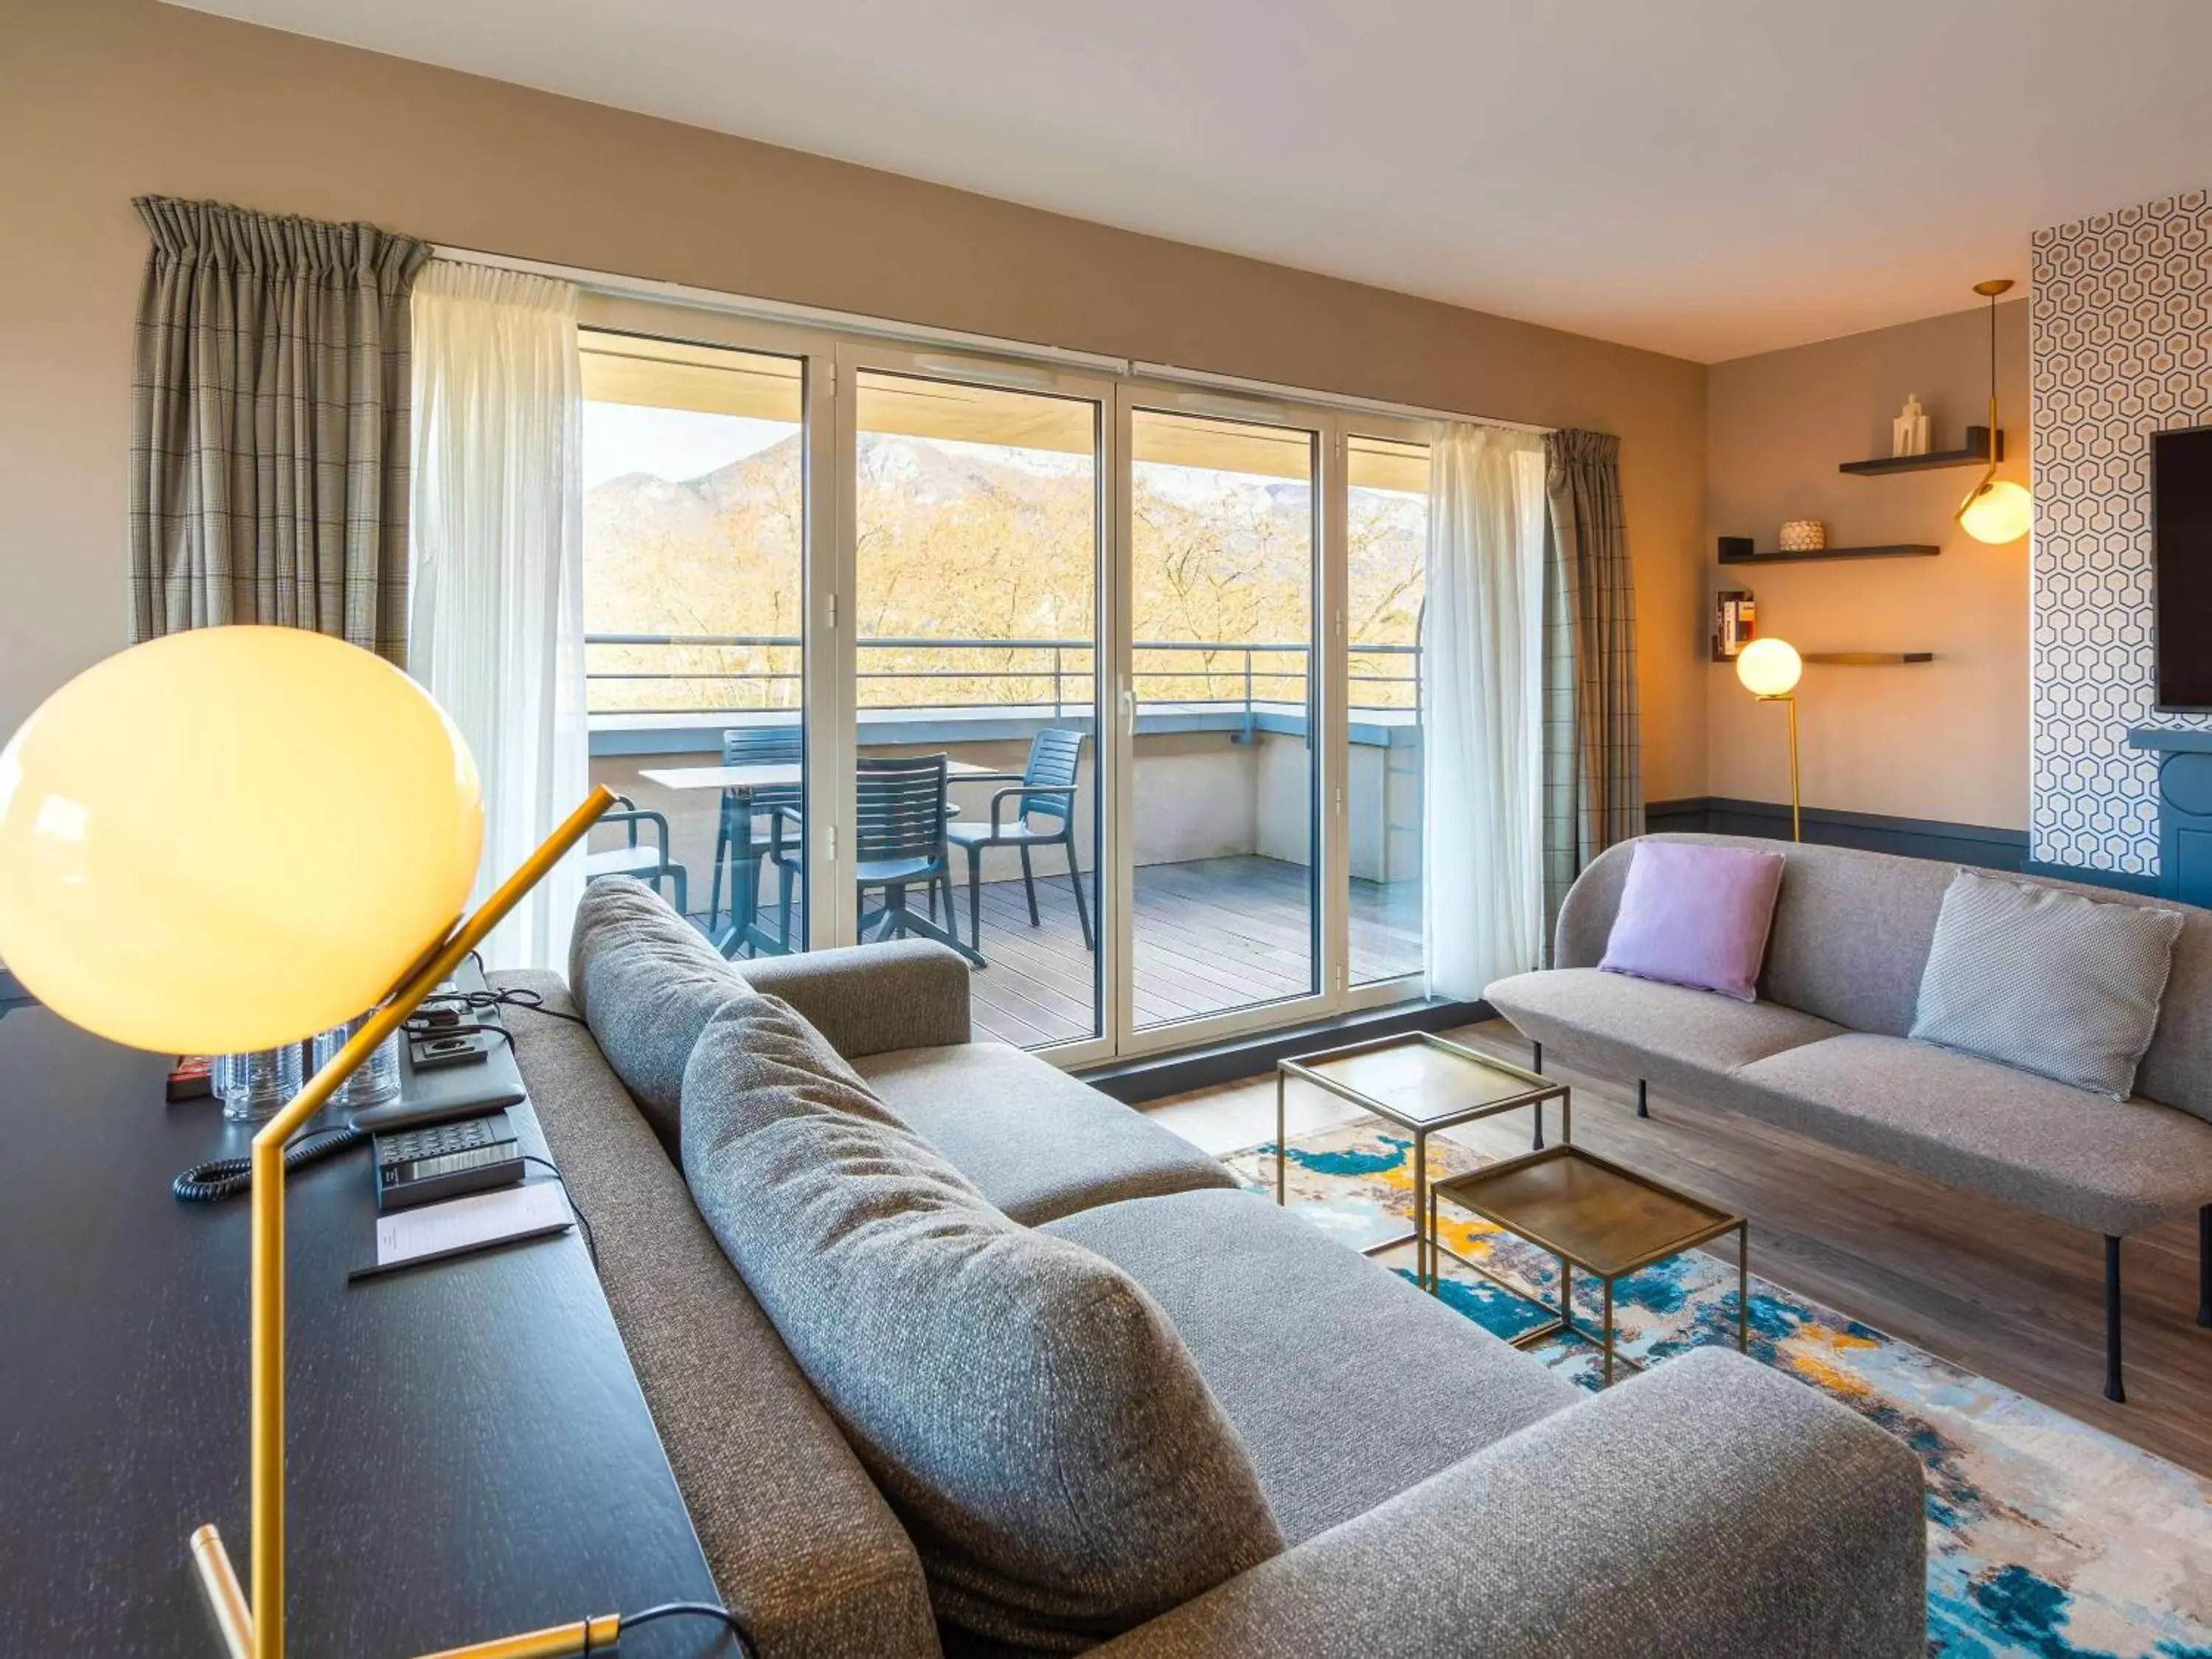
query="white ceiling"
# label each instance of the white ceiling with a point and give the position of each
(1707, 178)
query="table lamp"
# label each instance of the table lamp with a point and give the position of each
(1769, 670)
(228, 840)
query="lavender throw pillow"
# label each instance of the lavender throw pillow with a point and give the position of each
(1695, 915)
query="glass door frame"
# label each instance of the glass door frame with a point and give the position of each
(1326, 683)
(822, 689)
(853, 357)
(1381, 993)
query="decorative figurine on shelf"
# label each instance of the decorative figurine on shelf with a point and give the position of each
(1802, 536)
(1908, 433)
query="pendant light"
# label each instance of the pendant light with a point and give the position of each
(1997, 510)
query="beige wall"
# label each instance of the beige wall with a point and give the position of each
(101, 100)
(1946, 741)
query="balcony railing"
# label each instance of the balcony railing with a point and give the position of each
(1248, 677)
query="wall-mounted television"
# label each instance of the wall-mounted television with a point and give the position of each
(2181, 566)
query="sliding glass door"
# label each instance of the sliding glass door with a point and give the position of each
(975, 542)
(1220, 717)
(1386, 590)
(1113, 686)
(696, 537)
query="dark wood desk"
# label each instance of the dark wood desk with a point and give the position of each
(469, 1454)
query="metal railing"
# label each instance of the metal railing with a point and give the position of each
(1257, 677)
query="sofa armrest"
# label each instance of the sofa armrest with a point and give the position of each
(1714, 1508)
(873, 999)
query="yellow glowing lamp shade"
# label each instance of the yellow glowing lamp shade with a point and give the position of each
(1997, 513)
(231, 838)
(1769, 668)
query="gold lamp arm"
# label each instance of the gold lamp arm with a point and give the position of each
(261, 1625)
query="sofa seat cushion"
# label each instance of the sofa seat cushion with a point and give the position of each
(1028, 1410)
(1037, 1143)
(1630, 1028)
(2111, 1166)
(1346, 1384)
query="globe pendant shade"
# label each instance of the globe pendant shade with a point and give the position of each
(229, 839)
(1769, 668)
(1997, 513)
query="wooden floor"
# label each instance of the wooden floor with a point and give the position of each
(1997, 1290)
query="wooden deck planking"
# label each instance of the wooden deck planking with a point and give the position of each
(1211, 935)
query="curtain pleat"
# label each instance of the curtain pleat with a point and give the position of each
(1594, 760)
(269, 447)
(498, 568)
(1481, 693)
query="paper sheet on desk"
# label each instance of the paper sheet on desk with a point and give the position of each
(469, 1223)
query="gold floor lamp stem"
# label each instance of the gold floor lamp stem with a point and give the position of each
(263, 1624)
(1797, 824)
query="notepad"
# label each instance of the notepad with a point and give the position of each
(430, 1230)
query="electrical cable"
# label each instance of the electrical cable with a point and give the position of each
(227, 1177)
(693, 1610)
(583, 1224)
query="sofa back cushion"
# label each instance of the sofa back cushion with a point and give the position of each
(2046, 981)
(807, 1553)
(1850, 939)
(647, 983)
(1028, 1410)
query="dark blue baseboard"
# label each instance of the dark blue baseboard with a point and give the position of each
(1976, 844)
(1873, 832)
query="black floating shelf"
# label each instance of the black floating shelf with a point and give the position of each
(1868, 658)
(1902, 550)
(1975, 453)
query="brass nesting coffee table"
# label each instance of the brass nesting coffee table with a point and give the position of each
(1594, 1215)
(1422, 1084)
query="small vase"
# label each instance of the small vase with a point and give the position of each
(1803, 536)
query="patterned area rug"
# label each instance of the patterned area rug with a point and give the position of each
(2046, 1537)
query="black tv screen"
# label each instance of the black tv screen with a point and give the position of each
(2181, 565)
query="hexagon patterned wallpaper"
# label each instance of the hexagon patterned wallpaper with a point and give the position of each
(2120, 327)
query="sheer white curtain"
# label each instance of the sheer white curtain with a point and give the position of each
(1481, 687)
(496, 609)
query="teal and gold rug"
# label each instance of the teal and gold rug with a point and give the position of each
(2046, 1537)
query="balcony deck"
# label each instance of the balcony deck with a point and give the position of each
(1211, 934)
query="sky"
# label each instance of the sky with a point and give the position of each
(675, 444)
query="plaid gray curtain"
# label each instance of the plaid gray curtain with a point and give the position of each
(269, 455)
(1593, 749)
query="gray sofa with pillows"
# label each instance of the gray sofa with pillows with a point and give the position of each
(1825, 1049)
(950, 1353)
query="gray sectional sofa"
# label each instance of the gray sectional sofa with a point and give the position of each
(1824, 1051)
(1435, 1491)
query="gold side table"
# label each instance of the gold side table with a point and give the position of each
(1594, 1215)
(1422, 1084)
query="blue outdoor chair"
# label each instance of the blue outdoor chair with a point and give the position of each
(898, 833)
(1044, 815)
(736, 851)
(649, 863)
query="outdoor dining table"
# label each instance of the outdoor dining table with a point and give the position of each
(745, 928)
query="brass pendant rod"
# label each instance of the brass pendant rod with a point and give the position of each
(265, 1618)
(1989, 291)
